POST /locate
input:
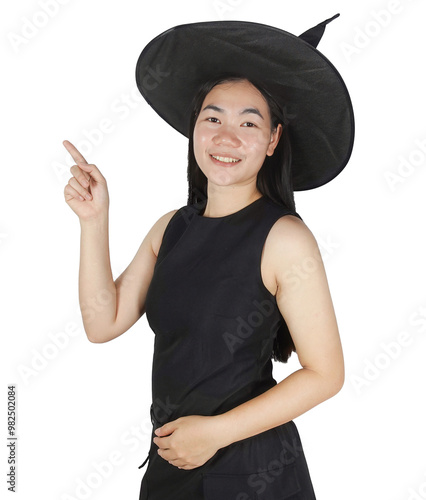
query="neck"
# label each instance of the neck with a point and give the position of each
(223, 203)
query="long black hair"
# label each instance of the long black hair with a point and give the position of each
(273, 180)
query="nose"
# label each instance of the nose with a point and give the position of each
(227, 136)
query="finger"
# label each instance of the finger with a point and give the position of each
(70, 193)
(93, 172)
(89, 168)
(81, 175)
(73, 182)
(74, 152)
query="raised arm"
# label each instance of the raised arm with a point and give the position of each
(109, 308)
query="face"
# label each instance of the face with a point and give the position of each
(232, 134)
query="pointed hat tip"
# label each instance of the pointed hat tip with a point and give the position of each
(314, 35)
(332, 18)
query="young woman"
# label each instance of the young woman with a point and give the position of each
(229, 281)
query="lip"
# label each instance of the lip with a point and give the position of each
(224, 155)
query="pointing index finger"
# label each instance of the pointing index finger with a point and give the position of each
(74, 152)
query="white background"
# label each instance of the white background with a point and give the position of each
(79, 403)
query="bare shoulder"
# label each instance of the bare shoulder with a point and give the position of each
(157, 230)
(291, 235)
(289, 244)
(293, 253)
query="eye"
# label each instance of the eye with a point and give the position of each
(248, 124)
(212, 119)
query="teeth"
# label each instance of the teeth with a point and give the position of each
(225, 159)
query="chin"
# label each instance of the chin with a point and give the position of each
(223, 178)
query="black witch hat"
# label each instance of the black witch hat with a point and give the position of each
(310, 90)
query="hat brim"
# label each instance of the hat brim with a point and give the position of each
(305, 83)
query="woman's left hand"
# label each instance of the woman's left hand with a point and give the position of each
(188, 442)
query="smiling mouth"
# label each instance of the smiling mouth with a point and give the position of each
(225, 159)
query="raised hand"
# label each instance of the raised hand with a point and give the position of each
(86, 192)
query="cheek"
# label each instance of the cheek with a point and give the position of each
(200, 138)
(199, 143)
(258, 145)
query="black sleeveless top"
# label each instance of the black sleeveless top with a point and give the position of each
(215, 323)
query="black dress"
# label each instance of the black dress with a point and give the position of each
(214, 323)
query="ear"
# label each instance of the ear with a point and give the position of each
(275, 137)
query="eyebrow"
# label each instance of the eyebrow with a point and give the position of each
(246, 111)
